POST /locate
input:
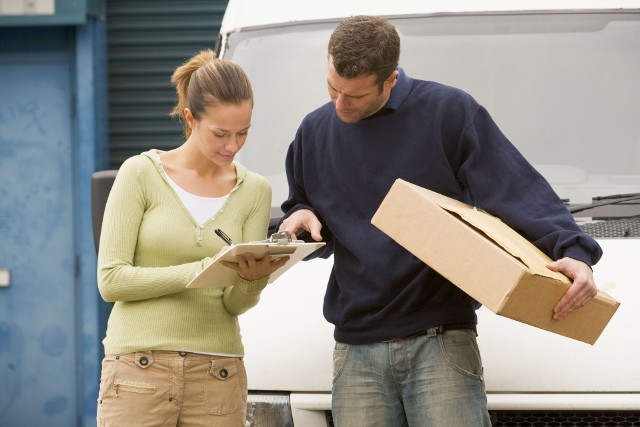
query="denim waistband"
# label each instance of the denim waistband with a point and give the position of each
(438, 330)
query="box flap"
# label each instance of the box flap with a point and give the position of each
(497, 231)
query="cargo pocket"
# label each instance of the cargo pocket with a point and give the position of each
(133, 387)
(223, 388)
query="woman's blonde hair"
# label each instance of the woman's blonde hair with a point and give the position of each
(204, 81)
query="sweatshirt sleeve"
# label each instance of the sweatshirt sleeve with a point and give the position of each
(118, 278)
(298, 197)
(501, 181)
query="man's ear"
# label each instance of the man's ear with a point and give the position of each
(391, 80)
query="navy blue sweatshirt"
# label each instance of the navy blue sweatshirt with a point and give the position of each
(434, 136)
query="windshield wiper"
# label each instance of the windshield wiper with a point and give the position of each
(606, 200)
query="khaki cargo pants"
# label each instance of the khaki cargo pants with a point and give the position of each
(169, 388)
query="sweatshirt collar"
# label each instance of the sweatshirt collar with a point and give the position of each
(397, 96)
(399, 92)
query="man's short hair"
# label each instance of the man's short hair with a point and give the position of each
(364, 45)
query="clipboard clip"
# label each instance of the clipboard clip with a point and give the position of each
(280, 238)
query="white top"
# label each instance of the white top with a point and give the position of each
(201, 208)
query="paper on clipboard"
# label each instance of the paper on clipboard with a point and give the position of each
(217, 275)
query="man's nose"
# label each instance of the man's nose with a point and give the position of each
(341, 101)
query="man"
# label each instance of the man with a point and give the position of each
(406, 350)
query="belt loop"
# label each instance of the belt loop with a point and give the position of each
(432, 332)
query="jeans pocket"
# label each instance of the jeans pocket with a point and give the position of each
(224, 387)
(460, 349)
(340, 353)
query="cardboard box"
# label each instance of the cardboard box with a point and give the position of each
(486, 259)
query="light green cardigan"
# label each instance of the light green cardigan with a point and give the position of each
(151, 247)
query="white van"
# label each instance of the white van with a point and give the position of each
(562, 80)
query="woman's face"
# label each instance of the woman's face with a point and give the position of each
(221, 131)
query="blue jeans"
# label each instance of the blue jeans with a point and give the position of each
(432, 380)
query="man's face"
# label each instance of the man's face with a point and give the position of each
(359, 97)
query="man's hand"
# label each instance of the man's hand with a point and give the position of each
(302, 220)
(580, 292)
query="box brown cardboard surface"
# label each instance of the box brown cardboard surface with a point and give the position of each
(487, 259)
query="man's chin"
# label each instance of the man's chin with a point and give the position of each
(348, 118)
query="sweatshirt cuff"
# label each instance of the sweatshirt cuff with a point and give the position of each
(253, 286)
(578, 252)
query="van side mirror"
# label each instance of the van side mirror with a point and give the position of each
(101, 183)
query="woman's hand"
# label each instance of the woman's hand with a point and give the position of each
(252, 269)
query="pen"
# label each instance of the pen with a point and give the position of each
(223, 236)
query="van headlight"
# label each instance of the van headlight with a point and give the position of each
(266, 410)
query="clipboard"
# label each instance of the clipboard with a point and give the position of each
(217, 275)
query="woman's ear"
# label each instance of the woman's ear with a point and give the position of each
(188, 116)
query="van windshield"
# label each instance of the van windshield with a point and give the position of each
(563, 87)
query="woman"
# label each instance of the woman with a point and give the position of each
(174, 355)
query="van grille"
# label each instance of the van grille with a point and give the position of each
(626, 227)
(565, 418)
